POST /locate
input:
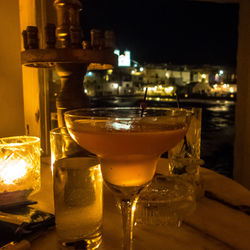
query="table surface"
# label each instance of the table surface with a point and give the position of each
(213, 225)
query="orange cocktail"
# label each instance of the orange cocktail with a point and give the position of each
(128, 148)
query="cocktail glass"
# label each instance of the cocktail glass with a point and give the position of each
(128, 143)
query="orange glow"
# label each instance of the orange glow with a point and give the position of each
(12, 170)
(19, 163)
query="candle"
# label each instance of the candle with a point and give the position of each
(13, 170)
(19, 164)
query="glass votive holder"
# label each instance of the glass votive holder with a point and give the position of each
(168, 200)
(19, 168)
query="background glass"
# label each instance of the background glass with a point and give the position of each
(184, 158)
(77, 192)
(171, 196)
(190, 146)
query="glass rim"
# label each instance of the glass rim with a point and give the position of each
(72, 113)
(8, 141)
(59, 131)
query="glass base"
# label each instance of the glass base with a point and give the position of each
(167, 201)
(91, 242)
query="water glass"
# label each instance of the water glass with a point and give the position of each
(184, 158)
(189, 147)
(78, 188)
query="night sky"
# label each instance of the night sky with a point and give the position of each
(162, 31)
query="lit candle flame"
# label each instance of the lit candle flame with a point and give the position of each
(12, 170)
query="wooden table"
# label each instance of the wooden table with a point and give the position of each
(212, 226)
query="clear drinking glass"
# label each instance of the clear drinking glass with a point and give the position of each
(128, 143)
(190, 146)
(184, 158)
(77, 192)
(172, 195)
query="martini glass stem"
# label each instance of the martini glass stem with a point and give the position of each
(128, 208)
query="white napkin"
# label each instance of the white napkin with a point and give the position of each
(223, 187)
(225, 226)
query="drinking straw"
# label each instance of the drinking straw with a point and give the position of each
(177, 98)
(178, 106)
(143, 104)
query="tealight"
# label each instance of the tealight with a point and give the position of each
(19, 164)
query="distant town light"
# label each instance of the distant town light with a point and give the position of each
(217, 77)
(124, 59)
(169, 89)
(115, 85)
(110, 71)
(224, 86)
(167, 75)
(117, 52)
(215, 86)
(133, 71)
(141, 69)
(231, 90)
(90, 73)
(135, 65)
(155, 88)
(203, 76)
(221, 72)
(160, 86)
(186, 95)
(85, 91)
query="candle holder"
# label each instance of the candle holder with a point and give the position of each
(19, 168)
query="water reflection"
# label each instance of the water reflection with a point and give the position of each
(222, 108)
